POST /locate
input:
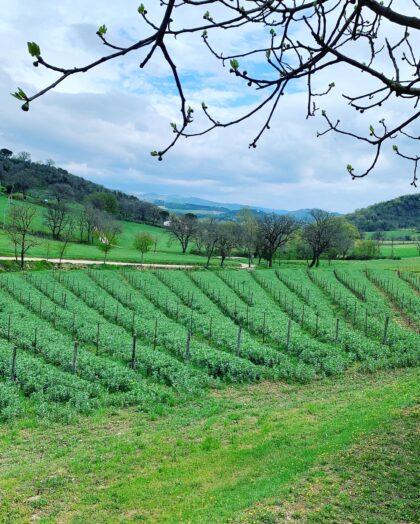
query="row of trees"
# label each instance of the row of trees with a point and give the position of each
(264, 236)
(261, 237)
(96, 226)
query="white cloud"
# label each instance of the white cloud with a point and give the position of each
(103, 124)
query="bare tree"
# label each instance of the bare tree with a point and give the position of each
(227, 240)
(67, 235)
(304, 40)
(275, 231)
(89, 222)
(209, 232)
(56, 218)
(20, 222)
(61, 191)
(321, 235)
(183, 228)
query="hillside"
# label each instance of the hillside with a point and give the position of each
(43, 181)
(166, 250)
(399, 213)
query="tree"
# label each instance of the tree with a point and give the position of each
(183, 228)
(6, 153)
(61, 191)
(56, 217)
(366, 249)
(89, 222)
(249, 231)
(66, 237)
(23, 156)
(227, 239)
(23, 180)
(20, 222)
(346, 236)
(305, 41)
(143, 242)
(322, 234)
(208, 234)
(108, 235)
(104, 201)
(275, 231)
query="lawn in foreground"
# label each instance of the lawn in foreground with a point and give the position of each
(207, 461)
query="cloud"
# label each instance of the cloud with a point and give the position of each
(102, 125)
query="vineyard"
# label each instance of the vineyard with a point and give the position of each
(73, 342)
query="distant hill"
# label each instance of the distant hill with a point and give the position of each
(44, 182)
(399, 213)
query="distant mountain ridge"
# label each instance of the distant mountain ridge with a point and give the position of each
(220, 210)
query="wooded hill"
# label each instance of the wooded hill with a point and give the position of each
(45, 181)
(399, 213)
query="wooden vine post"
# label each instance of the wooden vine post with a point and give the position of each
(13, 370)
(289, 333)
(155, 334)
(337, 329)
(188, 346)
(133, 353)
(97, 337)
(9, 325)
(238, 342)
(75, 352)
(385, 338)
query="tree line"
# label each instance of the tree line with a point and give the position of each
(254, 236)
(263, 237)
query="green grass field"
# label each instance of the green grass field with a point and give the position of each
(339, 450)
(396, 233)
(209, 426)
(400, 250)
(167, 251)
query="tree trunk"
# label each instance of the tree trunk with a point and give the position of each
(208, 260)
(313, 261)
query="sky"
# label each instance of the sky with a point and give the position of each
(102, 125)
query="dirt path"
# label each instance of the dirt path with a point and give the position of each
(86, 262)
(100, 262)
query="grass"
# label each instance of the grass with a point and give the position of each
(168, 251)
(400, 250)
(396, 233)
(374, 480)
(229, 456)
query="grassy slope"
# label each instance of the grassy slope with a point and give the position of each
(208, 461)
(374, 481)
(168, 250)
